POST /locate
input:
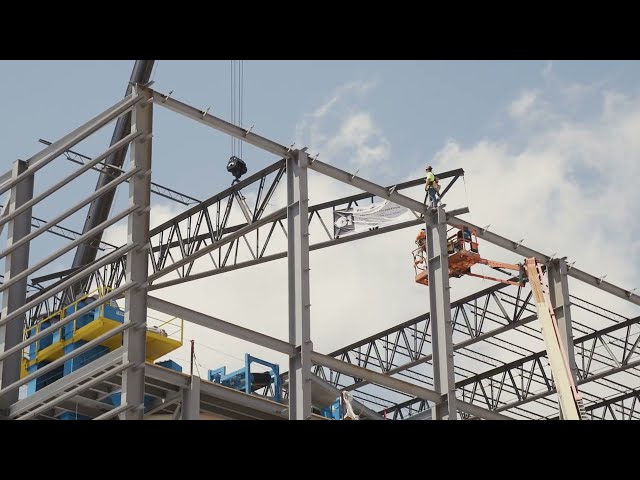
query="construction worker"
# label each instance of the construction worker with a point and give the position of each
(432, 186)
(421, 239)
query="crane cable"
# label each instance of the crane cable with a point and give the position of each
(237, 90)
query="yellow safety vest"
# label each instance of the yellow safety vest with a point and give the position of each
(430, 178)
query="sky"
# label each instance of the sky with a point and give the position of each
(549, 150)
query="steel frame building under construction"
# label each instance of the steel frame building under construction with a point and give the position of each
(434, 366)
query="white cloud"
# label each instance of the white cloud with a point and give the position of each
(357, 87)
(577, 91)
(546, 71)
(561, 191)
(360, 140)
(523, 104)
(344, 132)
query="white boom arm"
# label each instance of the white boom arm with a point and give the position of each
(570, 399)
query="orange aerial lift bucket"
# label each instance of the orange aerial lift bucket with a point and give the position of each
(463, 253)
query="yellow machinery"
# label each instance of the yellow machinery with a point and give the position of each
(162, 337)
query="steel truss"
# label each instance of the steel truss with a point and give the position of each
(182, 237)
(208, 223)
(156, 189)
(483, 318)
(398, 352)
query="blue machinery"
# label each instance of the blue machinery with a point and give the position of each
(246, 381)
(158, 343)
(333, 411)
(82, 330)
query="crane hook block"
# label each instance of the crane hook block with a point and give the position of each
(236, 167)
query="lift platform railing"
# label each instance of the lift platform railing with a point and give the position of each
(171, 328)
(463, 253)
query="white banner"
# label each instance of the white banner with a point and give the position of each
(362, 219)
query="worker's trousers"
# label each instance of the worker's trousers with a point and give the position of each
(432, 196)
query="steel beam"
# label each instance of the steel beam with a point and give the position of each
(67, 319)
(66, 180)
(195, 210)
(25, 273)
(394, 342)
(15, 297)
(318, 358)
(424, 415)
(375, 377)
(241, 231)
(221, 125)
(542, 353)
(390, 194)
(331, 393)
(162, 404)
(531, 370)
(401, 386)
(69, 281)
(63, 232)
(315, 209)
(278, 256)
(75, 392)
(452, 220)
(134, 341)
(44, 395)
(440, 312)
(160, 190)
(367, 186)
(619, 399)
(68, 213)
(607, 403)
(220, 325)
(209, 248)
(61, 360)
(54, 150)
(508, 371)
(191, 400)
(163, 233)
(561, 303)
(528, 252)
(218, 392)
(167, 376)
(99, 210)
(298, 283)
(122, 409)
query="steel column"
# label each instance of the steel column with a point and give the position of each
(440, 313)
(191, 400)
(137, 261)
(559, 294)
(16, 295)
(560, 301)
(299, 300)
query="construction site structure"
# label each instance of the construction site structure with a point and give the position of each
(463, 253)
(82, 342)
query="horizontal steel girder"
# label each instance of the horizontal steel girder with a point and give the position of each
(318, 358)
(169, 245)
